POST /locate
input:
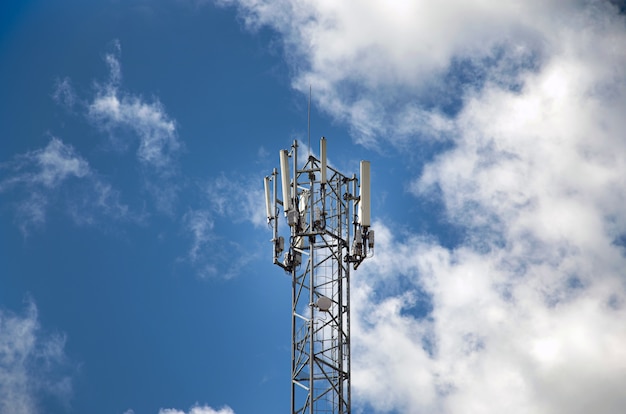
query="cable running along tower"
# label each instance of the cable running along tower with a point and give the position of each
(327, 232)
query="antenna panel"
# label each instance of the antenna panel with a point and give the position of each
(285, 179)
(268, 206)
(323, 160)
(364, 204)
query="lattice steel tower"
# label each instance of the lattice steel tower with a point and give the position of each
(329, 232)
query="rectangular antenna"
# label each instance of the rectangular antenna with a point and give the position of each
(308, 122)
(323, 159)
(364, 203)
(285, 179)
(268, 206)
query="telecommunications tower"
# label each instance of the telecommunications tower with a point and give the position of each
(328, 231)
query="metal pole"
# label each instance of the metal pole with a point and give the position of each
(312, 315)
(340, 299)
(312, 282)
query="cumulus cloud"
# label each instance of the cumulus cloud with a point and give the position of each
(546, 161)
(487, 332)
(387, 70)
(36, 178)
(525, 313)
(373, 65)
(197, 409)
(32, 364)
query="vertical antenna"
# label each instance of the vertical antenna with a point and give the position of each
(268, 204)
(285, 180)
(364, 202)
(323, 161)
(309, 120)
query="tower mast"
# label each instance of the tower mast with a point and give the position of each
(328, 232)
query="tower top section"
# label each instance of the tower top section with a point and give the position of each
(308, 196)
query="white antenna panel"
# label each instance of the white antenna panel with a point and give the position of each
(323, 159)
(268, 206)
(303, 204)
(286, 179)
(364, 204)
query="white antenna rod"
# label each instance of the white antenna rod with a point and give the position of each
(285, 178)
(323, 159)
(364, 203)
(309, 121)
(268, 207)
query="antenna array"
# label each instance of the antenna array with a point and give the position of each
(328, 228)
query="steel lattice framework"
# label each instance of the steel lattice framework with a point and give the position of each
(328, 234)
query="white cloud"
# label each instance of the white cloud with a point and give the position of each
(64, 93)
(197, 409)
(487, 332)
(537, 176)
(157, 133)
(200, 224)
(381, 67)
(113, 62)
(36, 178)
(115, 110)
(526, 313)
(369, 61)
(129, 118)
(54, 164)
(31, 364)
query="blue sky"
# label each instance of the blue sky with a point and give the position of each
(135, 263)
